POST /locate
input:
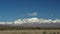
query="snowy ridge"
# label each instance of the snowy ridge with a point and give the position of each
(36, 20)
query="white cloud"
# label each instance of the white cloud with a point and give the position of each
(33, 14)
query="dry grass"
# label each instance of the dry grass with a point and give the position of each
(31, 32)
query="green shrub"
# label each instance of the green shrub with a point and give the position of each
(24, 33)
(54, 33)
(44, 32)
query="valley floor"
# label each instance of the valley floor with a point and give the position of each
(31, 32)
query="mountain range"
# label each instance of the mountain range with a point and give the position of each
(35, 22)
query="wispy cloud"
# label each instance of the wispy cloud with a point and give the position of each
(32, 14)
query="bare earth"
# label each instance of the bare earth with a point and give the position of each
(31, 32)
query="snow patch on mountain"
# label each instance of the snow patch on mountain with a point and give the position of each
(36, 20)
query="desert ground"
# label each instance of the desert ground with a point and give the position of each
(31, 32)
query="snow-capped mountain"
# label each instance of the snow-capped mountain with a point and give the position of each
(34, 22)
(37, 22)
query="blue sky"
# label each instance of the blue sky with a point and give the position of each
(11, 10)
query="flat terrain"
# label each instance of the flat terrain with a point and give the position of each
(31, 32)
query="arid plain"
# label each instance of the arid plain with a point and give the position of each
(31, 32)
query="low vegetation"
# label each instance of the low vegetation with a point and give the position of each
(31, 32)
(26, 28)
